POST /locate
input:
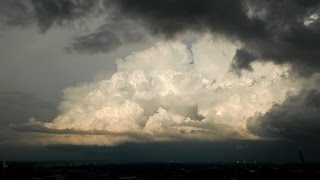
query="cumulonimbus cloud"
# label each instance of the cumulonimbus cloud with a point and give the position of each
(169, 92)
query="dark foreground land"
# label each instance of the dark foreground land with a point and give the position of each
(94, 170)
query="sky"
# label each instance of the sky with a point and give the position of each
(159, 81)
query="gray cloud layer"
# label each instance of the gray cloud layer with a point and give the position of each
(45, 14)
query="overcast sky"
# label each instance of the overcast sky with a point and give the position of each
(183, 80)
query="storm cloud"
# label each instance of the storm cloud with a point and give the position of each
(242, 60)
(280, 31)
(220, 71)
(297, 118)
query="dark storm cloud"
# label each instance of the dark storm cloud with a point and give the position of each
(242, 60)
(290, 38)
(272, 30)
(283, 31)
(170, 17)
(56, 13)
(297, 118)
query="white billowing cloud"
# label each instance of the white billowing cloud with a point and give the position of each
(172, 92)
